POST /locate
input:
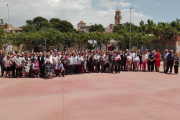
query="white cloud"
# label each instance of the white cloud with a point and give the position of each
(113, 4)
(71, 10)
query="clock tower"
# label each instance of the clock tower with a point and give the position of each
(118, 17)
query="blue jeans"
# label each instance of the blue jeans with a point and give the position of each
(70, 69)
(2, 69)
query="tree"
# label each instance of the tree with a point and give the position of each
(65, 26)
(29, 22)
(6, 38)
(19, 40)
(55, 21)
(96, 28)
(29, 28)
(38, 20)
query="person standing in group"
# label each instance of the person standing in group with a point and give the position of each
(123, 61)
(80, 63)
(148, 66)
(144, 61)
(95, 62)
(176, 63)
(165, 54)
(55, 60)
(27, 65)
(70, 64)
(98, 61)
(102, 62)
(7, 65)
(136, 62)
(140, 58)
(18, 63)
(75, 66)
(158, 60)
(41, 63)
(117, 58)
(129, 60)
(170, 61)
(90, 62)
(85, 63)
(111, 62)
(151, 61)
(64, 62)
(133, 56)
(1, 63)
(13, 67)
(106, 63)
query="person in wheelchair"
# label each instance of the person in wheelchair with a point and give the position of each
(59, 69)
(48, 68)
(35, 68)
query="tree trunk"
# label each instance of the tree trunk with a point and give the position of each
(55, 45)
(18, 47)
(106, 47)
(100, 46)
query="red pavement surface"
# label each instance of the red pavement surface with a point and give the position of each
(124, 96)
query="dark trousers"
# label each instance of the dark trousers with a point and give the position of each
(176, 69)
(80, 69)
(2, 69)
(13, 70)
(70, 69)
(18, 72)
(98, 69)
(148, 65)
(75, 69)
(90, 67)
(169, 65)
(151, 66)
(41, 69)
(95, 64)
(66, 69)
(59, 71)
(103, 68)
(117, 69)
(123, 65)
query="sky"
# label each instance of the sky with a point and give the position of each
(89, 11)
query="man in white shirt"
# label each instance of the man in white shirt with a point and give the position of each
(165, 54)
(95, 62)
(18, 62)
(144, 61)
(59, 69)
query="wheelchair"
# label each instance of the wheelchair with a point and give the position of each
(48, 73)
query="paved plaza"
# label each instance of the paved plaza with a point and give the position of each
(124, 96)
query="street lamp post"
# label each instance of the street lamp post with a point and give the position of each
(130, 46)
(8, 23)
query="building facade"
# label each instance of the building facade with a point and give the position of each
(81, 27)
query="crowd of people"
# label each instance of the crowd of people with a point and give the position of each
(53, 63)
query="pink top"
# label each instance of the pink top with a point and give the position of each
(67, 56)
(37, 64)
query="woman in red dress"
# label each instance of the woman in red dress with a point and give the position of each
(158, 60)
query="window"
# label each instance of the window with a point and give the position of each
(118, 22)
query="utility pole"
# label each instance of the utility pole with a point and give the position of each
(130, 45)
(8, 23)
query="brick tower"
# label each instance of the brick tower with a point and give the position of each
(118, 17)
